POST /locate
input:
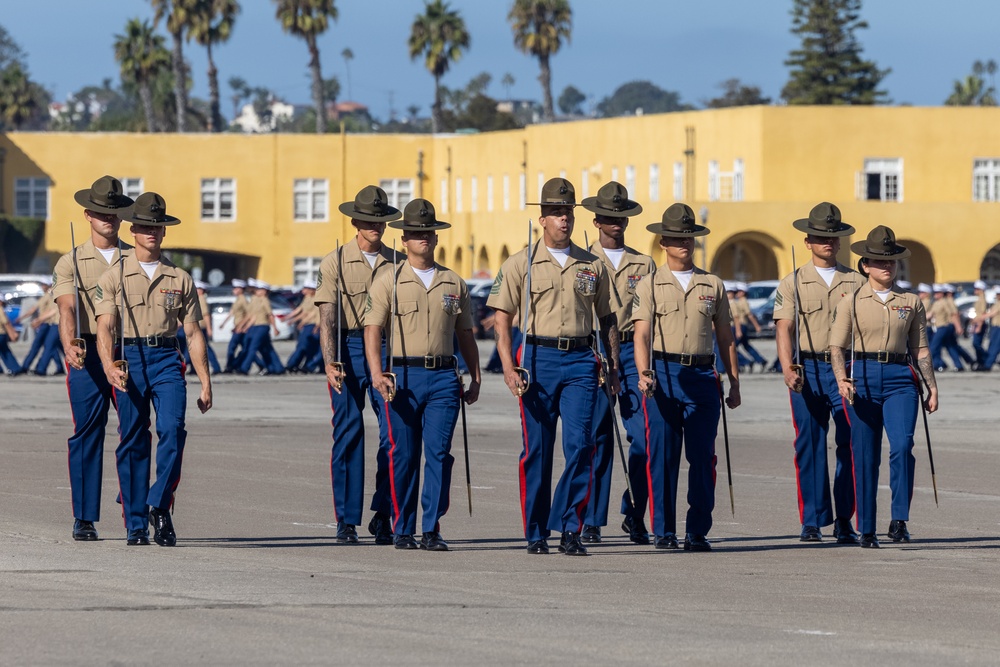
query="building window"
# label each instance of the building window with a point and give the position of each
(725, 185)
(584, 184)
(678, 181)
(218, 199)
(444, 195)
(630, 179)
(489, 193)
(305, 268)
(310, 196)
(31, 197)
(713, 180)
(506, 192)
(131, 187)
(881, 180)
(458, 195)
(399, 191)
(986, 180)
(654, 182)
(562, 173)
(474, 194)
(737, 179)
(522, 190)
(541, 182)
(614, 173)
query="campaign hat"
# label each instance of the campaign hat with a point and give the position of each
(371, 204)
(150, 210)
(880, 244)
(556, 192)
(104, 196)
(679, 222)
(419, 216)
(824, 220)
(612, 202)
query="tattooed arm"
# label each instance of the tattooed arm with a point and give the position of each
(926, 368)
(328, 341)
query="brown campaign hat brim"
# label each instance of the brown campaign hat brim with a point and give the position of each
(662, 230)
(391, 213)
(631, 208)
(550, 203)
(411, 227)
(83, 198)
(861, 249)
(161, 221)
(802, 224)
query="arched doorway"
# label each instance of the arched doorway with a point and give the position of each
(919, 266)
(442, 256)
(747, 256)
(990, 268)
(457, 266)
(483, 264)
(504, 254)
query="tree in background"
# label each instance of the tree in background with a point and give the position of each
(142, 56)
(735, 94)
(828, 67)
(212, 23)
(179, 20)
(640, 97)
(241, 93)
(507, 82)
(439, 35)
(23, 102)
(973, 91)
(539, 28)
(348, 56)
(10, 51)
(309, 19)
(571, 101)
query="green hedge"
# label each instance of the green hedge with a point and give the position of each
(20, 239)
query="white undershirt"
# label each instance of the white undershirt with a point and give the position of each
(371, 257)
(561, 254)
(108, 254)
(615, 255)
(683, 277)
(426, 275)
(827, 274)
(883, 293)
(149, 267)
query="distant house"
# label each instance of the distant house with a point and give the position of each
(341, 110)
(251, 123)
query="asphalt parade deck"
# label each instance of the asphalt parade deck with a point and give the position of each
(257, 577)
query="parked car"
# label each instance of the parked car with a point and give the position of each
(765, 317)
(967, 307)
(479, 292)
(220, 304)
(759, 291)
(27, 284)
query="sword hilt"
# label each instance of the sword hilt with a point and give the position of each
(852, 392)
(339, 367)
(798, 370)
(392, 385)
(122, 365)
(82, 344)
(525, 376)
(652, 387)
(602, 373)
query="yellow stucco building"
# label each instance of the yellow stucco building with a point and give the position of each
(266, 205)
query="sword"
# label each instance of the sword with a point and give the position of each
(121, 364)
(465, 434)
(854, 304)
(337, 364)
(927, 430)
(78, 341)
(650, 372)
(392, 324)
(796, 354)
(611, 403)
(725, 435)
(521, 370)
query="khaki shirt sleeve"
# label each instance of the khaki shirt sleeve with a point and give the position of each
(840, 331)
(602, 305)
(106, 294)
(378, 306)
(508, 288)
(784, 299)
(642, 301)
(326, 288)
(723, 317)
(3, 322)
(63, 277)
(917, 337)
(464, 319)
(190, 310)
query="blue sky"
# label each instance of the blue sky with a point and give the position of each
(687, 46)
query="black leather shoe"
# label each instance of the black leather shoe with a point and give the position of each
(137, 537)
(898, 531)
(591, 534)
(538, 547)
(571, 546)
(432, 542)
(347, 533)
(696, 543)
(379, 527)
(636, 530)
(869, 541)
(844, 532)
(405, 542)
(810, 534)
(668, 541)
(163, 527)
(84, 531)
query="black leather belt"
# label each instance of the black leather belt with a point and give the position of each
(429, 362)
(816, 356)
(155, 340)
(626, 336)
(686, 359)
(354, 333)
(564, 344)
(883, 357)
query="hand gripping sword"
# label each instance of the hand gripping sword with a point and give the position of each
(465, 434)
(611, 402)
(521, 370)
(796, 352)
(921, 384)
(78, 341)
(337, 363)
(854, 305)
(121, 364)
(392, 325)
(650, 372)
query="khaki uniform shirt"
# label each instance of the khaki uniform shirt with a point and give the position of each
(682, 320)
(426, 318)
(3, 322)
(940, 313)
(562, 298)
(310, 312)
(740, 309)
(898, 325)
(633, 267)
(817, 302)
(42, 306)
(260, 309)
(206, 314)
(153, 307)
(91, 266)
(981, 305)
(238, 311)
(355, 276)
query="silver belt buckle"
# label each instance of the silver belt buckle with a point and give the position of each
(562, 344)
(882, 356)
(430, 362)
(153, 340)
(687, 359)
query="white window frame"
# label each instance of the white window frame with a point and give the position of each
(489, 193)
(614, 173)
(313, 189)
(630, 179)
(890, 173)
(444, 195)
(214, 188)
(474, 194)
(132, 186)
(32, 187)
(713, 180)
(541, 182)
(398, 190)
(458, 195)
(506, 192)
(986, 179)
(584, 183)
(737, 194)
(654, 182)
(678, 181)
(522, 182)
(305, 268)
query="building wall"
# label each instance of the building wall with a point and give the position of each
(792, 157)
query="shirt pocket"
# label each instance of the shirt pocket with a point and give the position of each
(668, 318)
(811, 306)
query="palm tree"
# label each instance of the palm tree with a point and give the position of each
(142, 55)
(212, 23)
(241, 92)
(439, 35)
(308, 19)
(539, 28)
(348, 56)
(179, 17)
(972, 91)
(18, 102)
(507, 81)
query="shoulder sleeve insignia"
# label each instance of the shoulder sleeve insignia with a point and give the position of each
(778, 300)
(368, 304)
(497, 283)
(99, 294)
(319, 280)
